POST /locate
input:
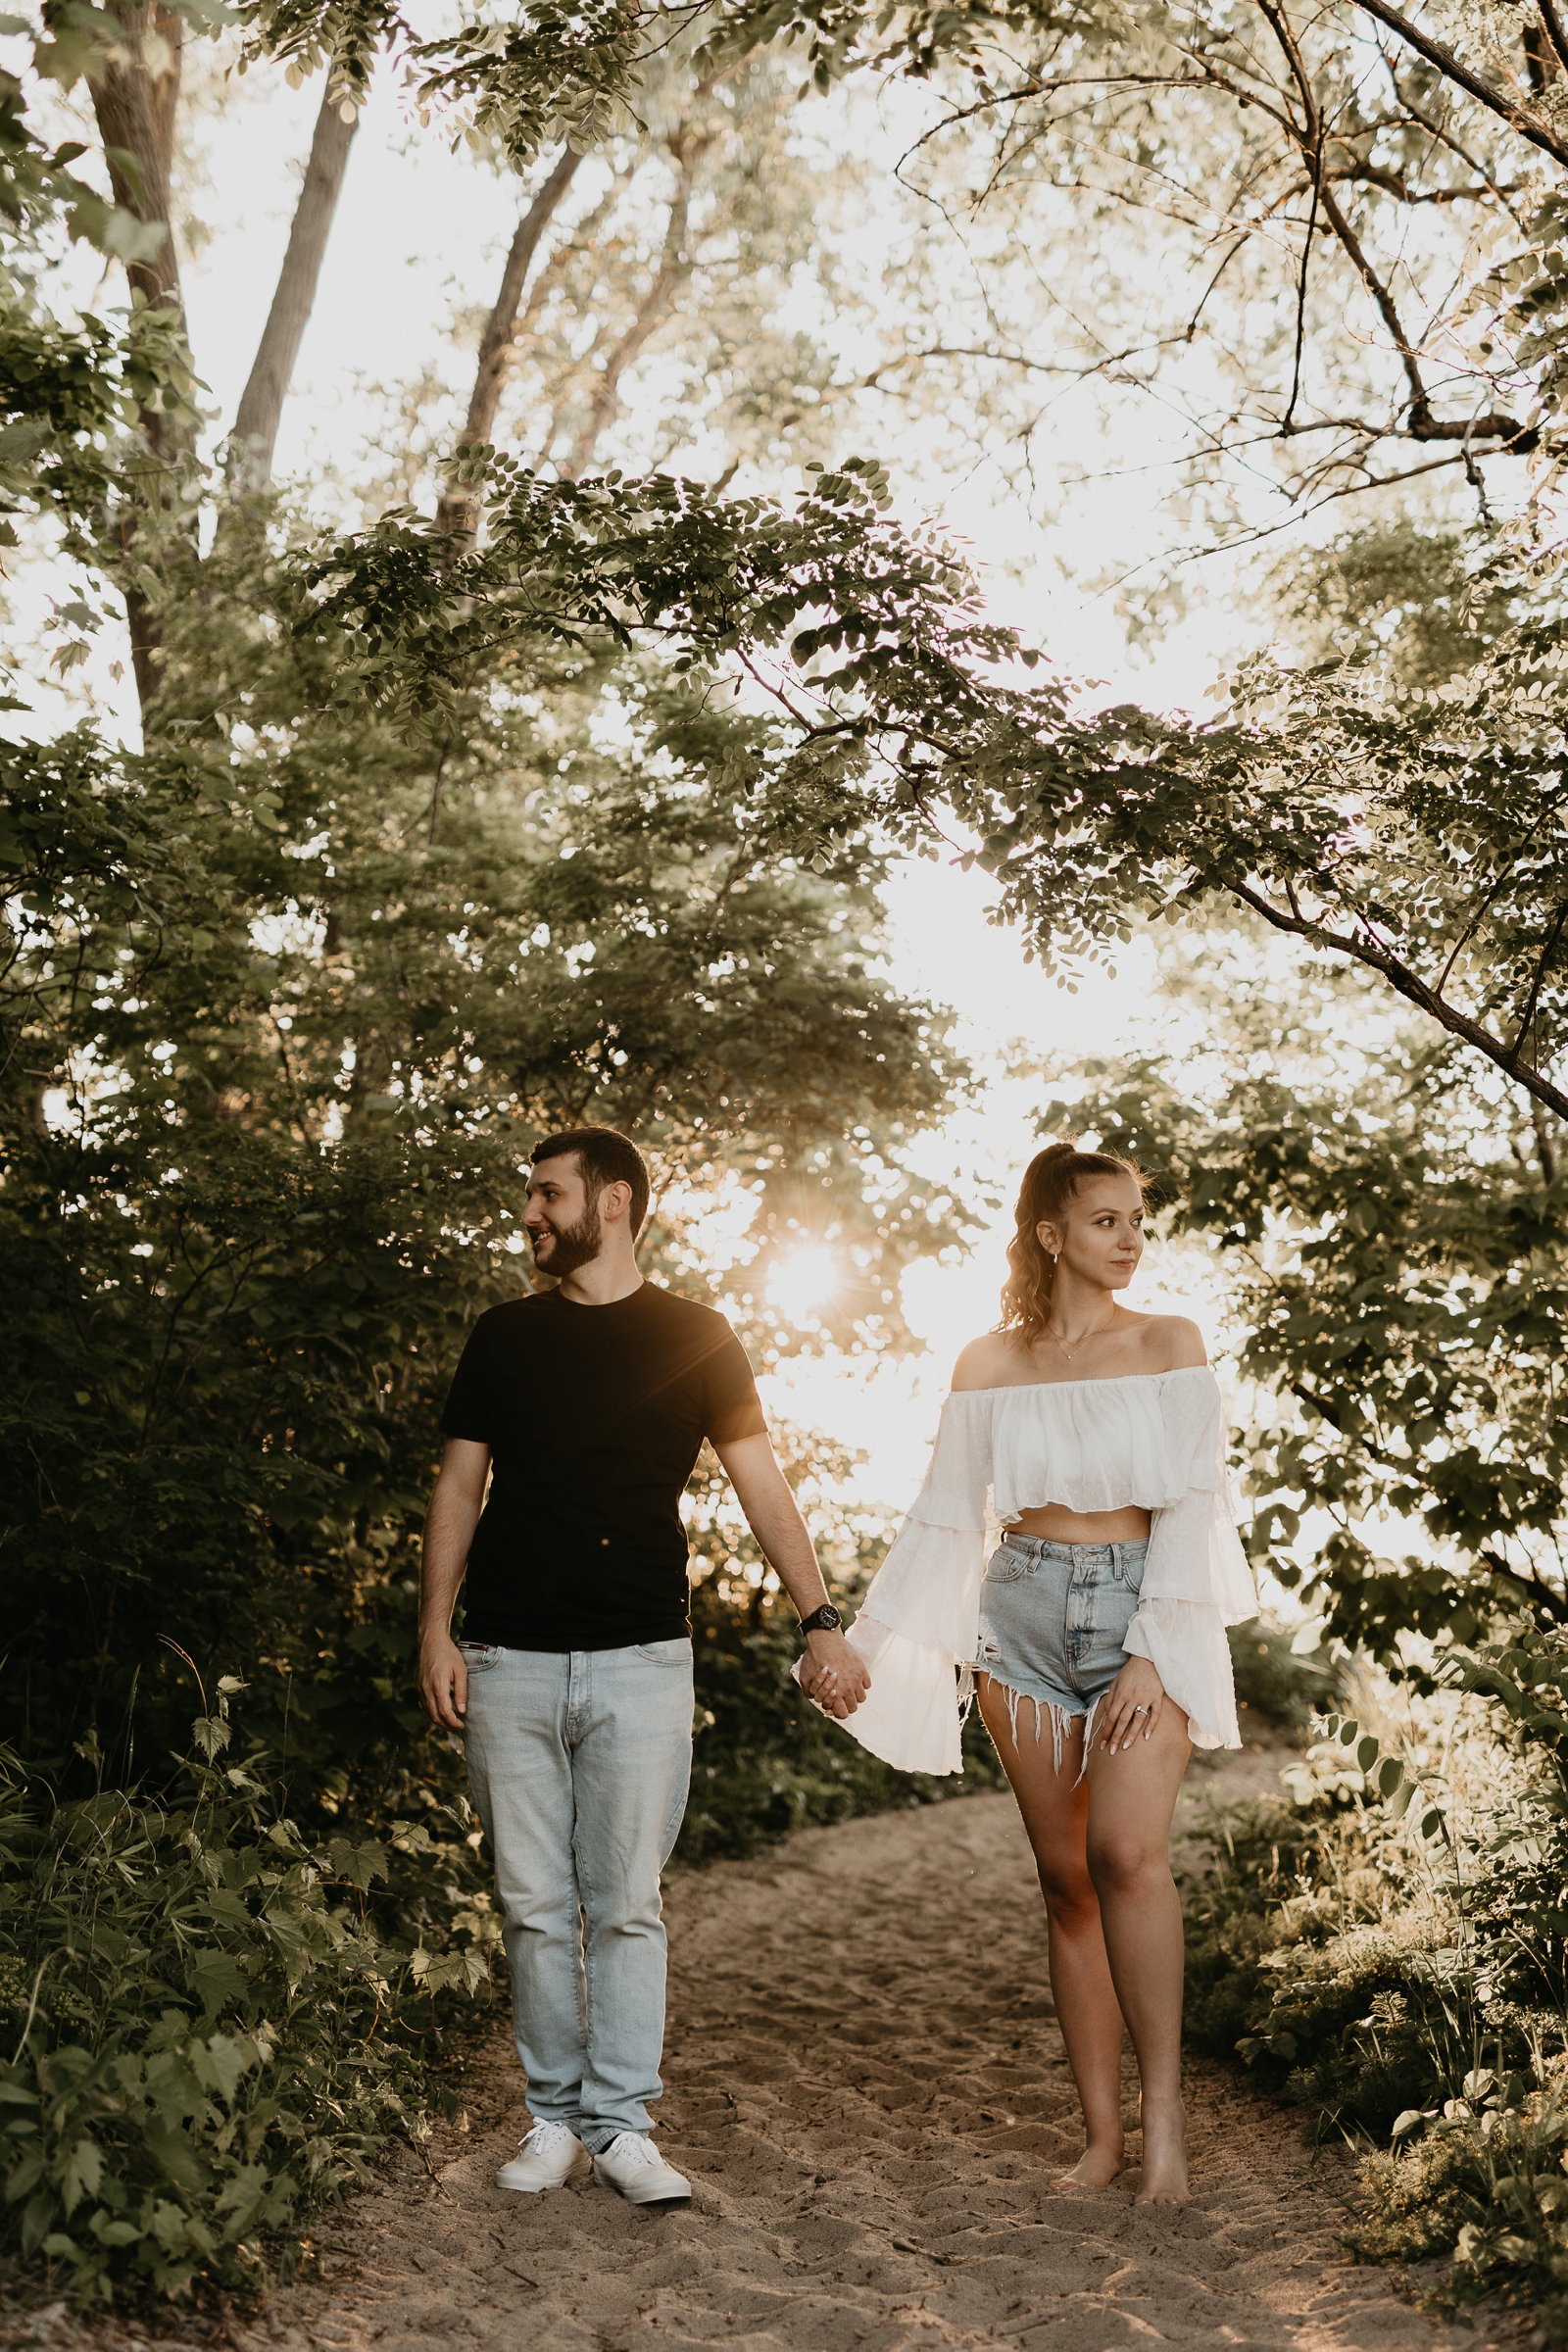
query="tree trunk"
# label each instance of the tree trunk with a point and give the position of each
(135, 107)
(455, 513)
(136, 104)
(261, 404)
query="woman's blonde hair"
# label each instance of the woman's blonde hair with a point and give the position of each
(1049, 1182)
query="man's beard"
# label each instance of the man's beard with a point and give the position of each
(573, 1246)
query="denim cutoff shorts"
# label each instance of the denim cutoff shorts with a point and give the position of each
(1052, 1617)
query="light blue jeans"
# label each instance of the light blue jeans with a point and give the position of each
(580, 1763)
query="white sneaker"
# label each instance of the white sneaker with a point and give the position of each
(546, 2159)
(632, 2164)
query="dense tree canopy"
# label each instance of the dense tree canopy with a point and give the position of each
(378, 892)
(290, 991)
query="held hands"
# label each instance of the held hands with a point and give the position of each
(443, 1682)
(1132, 1706)
(833, 1674)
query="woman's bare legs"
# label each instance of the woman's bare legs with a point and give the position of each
(1054, 1806)
(1132, 1796)
(1113, 1924)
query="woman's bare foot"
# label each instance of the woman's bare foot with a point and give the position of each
(1096, 2167)
(1164, 2181)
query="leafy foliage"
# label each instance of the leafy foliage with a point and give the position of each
(1424, 2007)
(1399, 1281)
(1278, 1682)
(1404, 594)
(1418, 834)
(210, 2014)
(547, 73)
(577, 564)
(65, 396)
(1486, 2184)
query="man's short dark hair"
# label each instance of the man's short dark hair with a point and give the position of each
(604, 1157)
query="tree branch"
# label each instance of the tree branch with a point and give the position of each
(1443, 136)
(1554, 30)
(1405, 983)
(1546, 953)
(454, 516)
(261, 405)
(675, 265)
(1420, 405)
(1288, 417)
(1396, 185)
(1520, 120)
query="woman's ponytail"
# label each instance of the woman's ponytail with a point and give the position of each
(1049, 1182)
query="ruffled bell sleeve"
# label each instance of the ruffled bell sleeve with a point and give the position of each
(1154, 1440)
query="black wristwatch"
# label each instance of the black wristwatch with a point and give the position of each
(825, 1620)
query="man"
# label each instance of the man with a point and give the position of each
(585, 1407)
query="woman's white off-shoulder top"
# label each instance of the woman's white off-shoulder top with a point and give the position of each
(1156, 1439)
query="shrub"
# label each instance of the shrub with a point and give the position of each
(1485, 2180)
(1399, 1969)
(209, 2020)
(1274, 1681)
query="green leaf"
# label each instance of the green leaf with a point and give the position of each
(82, 2173)
(176, 2159)
(218, 1979)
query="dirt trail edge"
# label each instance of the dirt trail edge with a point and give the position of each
(867, 2085)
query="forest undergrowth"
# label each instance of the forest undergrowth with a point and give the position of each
(229, 1994)
(1385, 1947)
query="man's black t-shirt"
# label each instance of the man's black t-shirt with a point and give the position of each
(594, 1417)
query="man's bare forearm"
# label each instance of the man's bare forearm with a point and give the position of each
(774, 1519)
(449, 1527)
(833, 1674)
(456, 1502)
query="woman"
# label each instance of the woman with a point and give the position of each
(1095, 1633)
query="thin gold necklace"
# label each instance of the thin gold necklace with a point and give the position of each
(1088, 1335)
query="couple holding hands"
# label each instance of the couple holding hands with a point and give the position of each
(1087, 1438)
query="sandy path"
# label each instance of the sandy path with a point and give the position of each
(867, 2085)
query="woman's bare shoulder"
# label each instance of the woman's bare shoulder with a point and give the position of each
(1172, 1344)
(992, 1361)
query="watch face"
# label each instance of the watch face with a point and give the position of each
(828, 1618)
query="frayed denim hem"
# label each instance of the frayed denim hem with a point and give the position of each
(1060, 1717)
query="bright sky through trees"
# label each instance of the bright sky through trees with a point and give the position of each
(415, 244)
(414, 251)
